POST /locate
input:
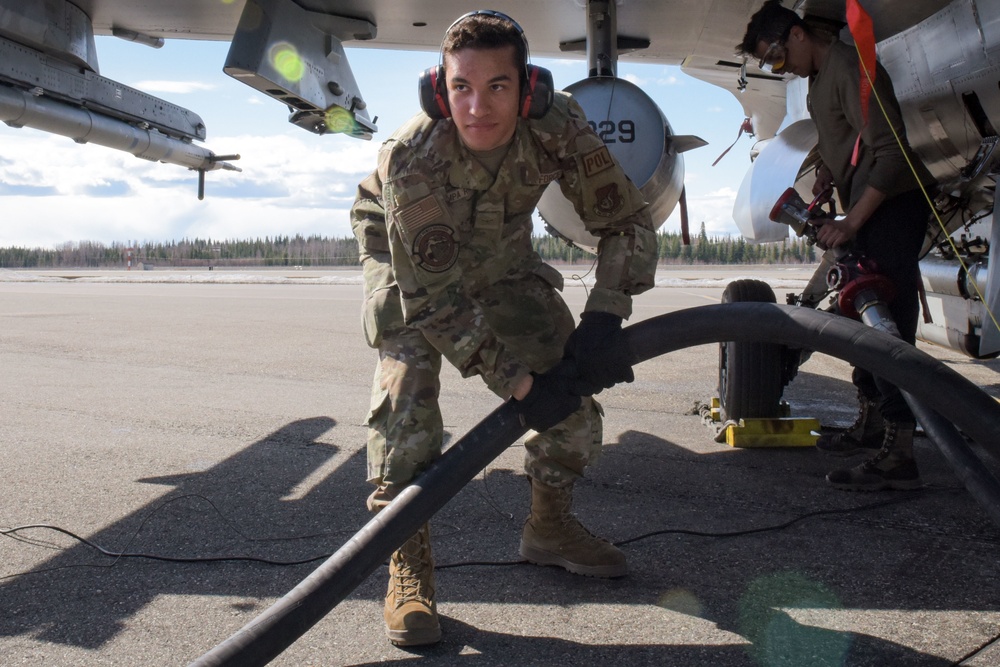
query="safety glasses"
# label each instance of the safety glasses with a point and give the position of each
(777, 52)
(773, 58)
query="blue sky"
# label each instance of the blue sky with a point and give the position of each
(293, 182)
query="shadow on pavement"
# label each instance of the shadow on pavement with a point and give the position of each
(778, 592)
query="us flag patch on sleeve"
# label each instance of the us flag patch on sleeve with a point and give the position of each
(421, 212)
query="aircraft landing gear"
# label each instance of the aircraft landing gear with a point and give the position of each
(751, 374)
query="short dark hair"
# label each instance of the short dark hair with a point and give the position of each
(771, 23)
(486, 31)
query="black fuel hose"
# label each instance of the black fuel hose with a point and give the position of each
(975, 477)
(933, 384)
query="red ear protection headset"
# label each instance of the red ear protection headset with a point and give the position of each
(536, 91)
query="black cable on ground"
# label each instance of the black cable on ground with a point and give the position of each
(123, 555)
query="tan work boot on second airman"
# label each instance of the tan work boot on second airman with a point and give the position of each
(411, 617)
(892, 468)
(553, 536)
(865, 435)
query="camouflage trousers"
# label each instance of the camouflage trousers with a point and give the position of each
(405, 424)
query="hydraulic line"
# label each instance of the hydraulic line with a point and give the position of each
(935, 386)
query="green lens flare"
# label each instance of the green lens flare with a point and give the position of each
(339, 119)
(286, 61)
(767, 620)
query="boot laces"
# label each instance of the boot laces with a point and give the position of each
(412, 562)
(859, 418)
(888, 445)
(573, 529)
(868, 420)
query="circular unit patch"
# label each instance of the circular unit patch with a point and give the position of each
(435, 248)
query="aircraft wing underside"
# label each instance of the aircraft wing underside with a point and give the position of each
(674, 29)
(699, 35)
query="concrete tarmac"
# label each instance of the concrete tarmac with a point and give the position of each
(173, 417)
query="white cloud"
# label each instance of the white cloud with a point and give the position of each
(174, 87)
(714, 208)
(293, 185)
(290, 184)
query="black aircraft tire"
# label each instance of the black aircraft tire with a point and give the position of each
(750, 373)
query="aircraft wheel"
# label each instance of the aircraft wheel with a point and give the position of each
(750, 373)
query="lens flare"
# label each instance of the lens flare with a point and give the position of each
(775, 637)
(339, 119)
(682, 601)
(287, 62)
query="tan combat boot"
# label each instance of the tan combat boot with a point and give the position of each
(865, 435)
(411, 617)
(553, 536)
(892, 468)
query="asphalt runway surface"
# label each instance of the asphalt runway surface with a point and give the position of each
(193, 423)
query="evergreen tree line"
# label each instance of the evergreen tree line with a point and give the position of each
(702, 250)
(277, 251)
(320, 251)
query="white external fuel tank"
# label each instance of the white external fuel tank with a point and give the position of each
(639, 137)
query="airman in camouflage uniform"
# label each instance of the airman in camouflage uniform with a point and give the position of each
(445, 241)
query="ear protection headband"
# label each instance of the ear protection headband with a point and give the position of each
(536, 90)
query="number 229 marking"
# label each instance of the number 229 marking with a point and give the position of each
(606, 128)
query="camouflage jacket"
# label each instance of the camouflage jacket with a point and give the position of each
(433, 221)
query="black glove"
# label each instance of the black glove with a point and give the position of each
(601, 350)
(550, 399)
(575, 384)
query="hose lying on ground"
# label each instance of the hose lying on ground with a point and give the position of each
(935, 386)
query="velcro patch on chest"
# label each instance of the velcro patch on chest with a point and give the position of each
(597, 161)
